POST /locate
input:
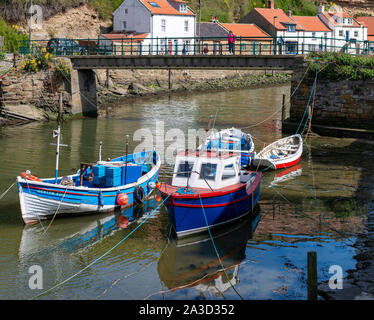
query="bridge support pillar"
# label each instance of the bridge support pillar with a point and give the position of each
(83, 92)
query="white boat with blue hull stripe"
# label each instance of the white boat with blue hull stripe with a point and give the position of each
(101, 187)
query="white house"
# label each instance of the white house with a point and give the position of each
(153, 27)
(316, 35)
(348, 35)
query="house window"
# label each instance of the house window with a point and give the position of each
(350, 21)
(153, 4)
(185, 25)
(325, 34)
(312, 47)
(243, 46)
(313, 35)
(183, 7)
(356, 34)
(291, 28)
(163, 25)
(124, 25)
(341, 33)
(126, 11)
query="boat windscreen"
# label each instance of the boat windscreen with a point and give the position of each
(208, 171)
(185, 169)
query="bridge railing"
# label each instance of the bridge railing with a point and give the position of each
(124, 46)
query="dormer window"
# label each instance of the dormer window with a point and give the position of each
(154, 4)
(182, 7)
(291, 27)
(350, 21)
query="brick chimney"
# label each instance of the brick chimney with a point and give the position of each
(289, 12)
(271, 4)
(321, 8)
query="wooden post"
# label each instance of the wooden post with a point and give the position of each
(170, 79)
(107, 78)
(283, 108)
(312, 275)
(60, 109)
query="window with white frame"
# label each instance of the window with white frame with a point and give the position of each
(124, 25)
(341, 33)
(185, 25)
(313, 36)
(350, 21)
(126, 11)
(356, 34)
(163, 25)
(291, 28)
(182, 7)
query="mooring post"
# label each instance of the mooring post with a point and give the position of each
(107, 78)
(283, 108)
(312, 275)
(60, 108)
(170, 85)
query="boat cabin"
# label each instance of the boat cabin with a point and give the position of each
(206, 169)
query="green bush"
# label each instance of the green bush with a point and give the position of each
(341, 66)
(12, 36)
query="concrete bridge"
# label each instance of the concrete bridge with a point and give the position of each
(83, 79)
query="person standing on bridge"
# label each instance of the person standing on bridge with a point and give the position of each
(231, 41)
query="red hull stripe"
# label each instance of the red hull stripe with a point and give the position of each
(73, 193)
(287, 164)
(208, 205)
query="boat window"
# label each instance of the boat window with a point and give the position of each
(228, 172)
(208, 171)
(184, 169)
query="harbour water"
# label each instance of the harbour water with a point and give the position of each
(322, 204)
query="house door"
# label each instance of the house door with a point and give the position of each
(347, 35)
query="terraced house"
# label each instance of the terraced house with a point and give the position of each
(152, 27)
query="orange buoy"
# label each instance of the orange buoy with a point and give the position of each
(122, 222)
(27, 175)
(122, 199)
(158, 185)
(158, 198)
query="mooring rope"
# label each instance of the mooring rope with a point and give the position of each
(5, 193)
(105, 254)
(58, 208)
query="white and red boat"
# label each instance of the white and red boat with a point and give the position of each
(282, 153)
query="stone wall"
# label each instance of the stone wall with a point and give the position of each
(40, 89)
(345, 103)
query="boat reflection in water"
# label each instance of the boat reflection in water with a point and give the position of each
(287, 174)
(70, 235)
(192, 262)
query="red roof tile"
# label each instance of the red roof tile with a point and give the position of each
(117, 37)
(245, 30)
(311, 23)
(281, 19)
(164, 7)
(367, 22)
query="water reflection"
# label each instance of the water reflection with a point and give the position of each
(193, 262)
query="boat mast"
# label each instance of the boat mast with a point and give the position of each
(101, 143)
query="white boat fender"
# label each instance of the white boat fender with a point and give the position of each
(152, 185)
(139, 194)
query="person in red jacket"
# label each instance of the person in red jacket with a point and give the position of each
(231, 41)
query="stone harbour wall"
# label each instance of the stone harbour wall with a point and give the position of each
(344, 103)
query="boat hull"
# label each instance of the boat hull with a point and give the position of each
(41, 201)
(192, 215)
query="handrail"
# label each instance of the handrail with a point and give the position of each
(257, 45)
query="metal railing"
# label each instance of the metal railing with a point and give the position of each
(196, 46)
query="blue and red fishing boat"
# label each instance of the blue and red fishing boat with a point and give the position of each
(208, 190)
(103, 186)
